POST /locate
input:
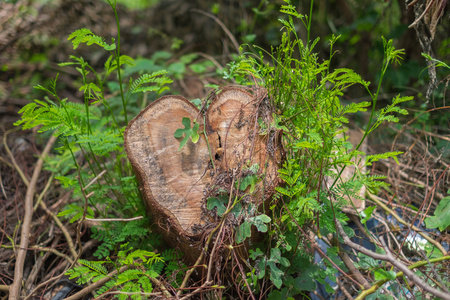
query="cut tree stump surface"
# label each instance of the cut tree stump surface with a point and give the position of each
(174, 183)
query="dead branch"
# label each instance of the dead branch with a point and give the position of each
(113, 219)
(13, 160)
(63, 229)
(24, 239)
(390, 258)
(218, 21)
(376, 199)
(96, 284)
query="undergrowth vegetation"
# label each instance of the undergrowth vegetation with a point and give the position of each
(306, 216)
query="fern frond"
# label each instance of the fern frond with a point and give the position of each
(376, 157)
(398, 99)
(146, 256)
(157, 78)
(145, 284)
(128, 275)
(85, 35)
(123, 59)
(67, 118)
(101, 143)
(343, 78)
(108, 286)
(97, 266)
(355, 107)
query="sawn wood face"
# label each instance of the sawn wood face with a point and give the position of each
(173, 183)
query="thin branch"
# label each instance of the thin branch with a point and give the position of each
(317, 248)
(423, 14)
(63, 229)
(376, 199)
(87, 246)
(222, 223)
(4, 288)
(380, 219)
(205, 249)
(212, 59)
(95, 179)
(44, 191)
(11, 156)
(390, 258)
(344, 290)
(54, 251)
(243, 275)
(351, 267)
(24, 238)
(189, 272)
(433, 269)
(198, 290)
(217, 20)
(161, 286)
(414, 180)
(113, 219)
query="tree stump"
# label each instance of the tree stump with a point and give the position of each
(175, 183)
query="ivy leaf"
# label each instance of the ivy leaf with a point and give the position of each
(251, 181)
(254, 254)
(275, 275)
(243, 231)
(441, 218)
(216, 202)
(188, 132)
(275, 256)
(259, 221)
(261, 268)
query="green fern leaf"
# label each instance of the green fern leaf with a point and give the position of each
(373, 158)
(145, 283)
(141, 85)
(85, 35)
(128, 275)
(101, 143)
(97, 266)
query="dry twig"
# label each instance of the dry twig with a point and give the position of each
(96, 284)
(376, 199)
(13, 160)
(24, 239)
(390, 258)
(218, 21)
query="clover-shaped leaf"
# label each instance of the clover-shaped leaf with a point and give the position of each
(188, 132)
